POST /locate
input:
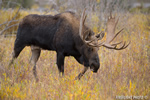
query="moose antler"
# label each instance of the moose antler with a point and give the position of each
(83, 34)
(111, 26)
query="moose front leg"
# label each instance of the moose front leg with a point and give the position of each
(60, 63)
(81, 73)
(81, 60)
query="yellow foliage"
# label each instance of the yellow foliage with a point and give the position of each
(98, 1)
(131, 87)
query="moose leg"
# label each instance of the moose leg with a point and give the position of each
(60, 63)
(85, 63)
(35, 56)
(16, 52)
(81, 73)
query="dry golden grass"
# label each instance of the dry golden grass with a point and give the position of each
(122, 73)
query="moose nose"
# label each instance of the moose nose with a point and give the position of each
(95, 66)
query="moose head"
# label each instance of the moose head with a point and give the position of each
(94, 42)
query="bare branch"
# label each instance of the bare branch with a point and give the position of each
(9, 22)
(10, 35)
(8, 28)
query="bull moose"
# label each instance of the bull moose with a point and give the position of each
(67, 34)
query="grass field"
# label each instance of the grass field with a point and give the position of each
(122, 73)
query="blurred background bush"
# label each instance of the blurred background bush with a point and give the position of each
(97, 10)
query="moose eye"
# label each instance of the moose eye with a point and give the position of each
(90, 49)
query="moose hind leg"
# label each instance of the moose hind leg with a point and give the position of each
(34, 58)
(60, 63)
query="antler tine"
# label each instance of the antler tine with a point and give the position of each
(82, 20)
(117, 21)
(123, 46)
(114, 46)
(110, 16)
(115, 35)
(116, 43)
